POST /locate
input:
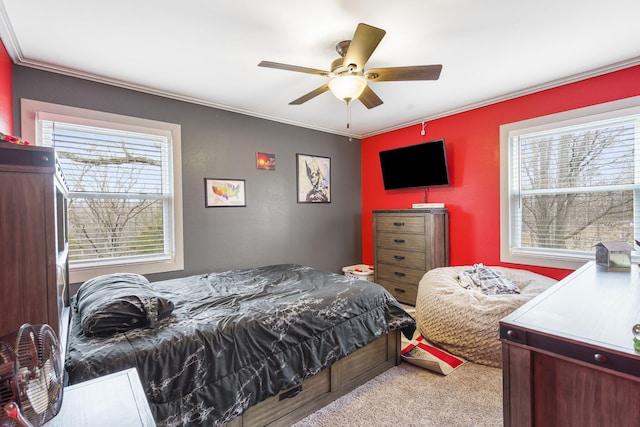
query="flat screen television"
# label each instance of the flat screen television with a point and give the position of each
(415, 166)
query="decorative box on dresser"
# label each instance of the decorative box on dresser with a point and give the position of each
(568, 357)
(33, 237)
(407, 244)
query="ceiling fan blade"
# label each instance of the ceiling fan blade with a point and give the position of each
(279, 66)
(364, 42)
(369, 98)
(304, 98)
(396, 74)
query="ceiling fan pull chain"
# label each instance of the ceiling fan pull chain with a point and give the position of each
(348, 114)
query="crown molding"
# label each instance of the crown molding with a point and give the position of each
(516, 94)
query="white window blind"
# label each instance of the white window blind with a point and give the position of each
(572, 186)
(120, 192)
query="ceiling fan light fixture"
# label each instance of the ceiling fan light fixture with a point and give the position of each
(348, 87)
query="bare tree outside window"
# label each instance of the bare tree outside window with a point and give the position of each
(124, 206)
(116, 200)
(576, 188)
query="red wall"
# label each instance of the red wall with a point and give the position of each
(473, 152)
(6, 106)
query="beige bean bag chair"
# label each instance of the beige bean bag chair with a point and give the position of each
(462, 319)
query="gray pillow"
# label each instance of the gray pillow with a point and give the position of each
(119, 302)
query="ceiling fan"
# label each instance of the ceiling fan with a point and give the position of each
(348, 77)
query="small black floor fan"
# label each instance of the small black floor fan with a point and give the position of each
(31, 377)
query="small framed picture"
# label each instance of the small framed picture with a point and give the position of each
(224, 192)
(266, 161)
(313, 179)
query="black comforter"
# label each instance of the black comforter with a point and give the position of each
(238, 337)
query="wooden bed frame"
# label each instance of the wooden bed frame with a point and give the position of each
(318, 391)
(325, 387)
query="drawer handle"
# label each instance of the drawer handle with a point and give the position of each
(399, 290)
(44, 158)
(291, 393)
(399, 224)
(600, 358)
(398, 240)
(399, 273)
(398, 257)
(512, 334)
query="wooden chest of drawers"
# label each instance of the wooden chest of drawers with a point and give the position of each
(408, 243)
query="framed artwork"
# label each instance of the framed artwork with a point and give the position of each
(224, 192)
(266, 161)
(313, 179)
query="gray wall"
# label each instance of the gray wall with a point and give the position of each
(273, 227)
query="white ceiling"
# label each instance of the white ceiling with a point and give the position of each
(207, 51)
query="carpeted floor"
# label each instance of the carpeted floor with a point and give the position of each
(410, 396)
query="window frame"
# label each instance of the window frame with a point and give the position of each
(546, 257)
(31, 109)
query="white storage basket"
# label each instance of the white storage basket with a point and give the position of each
(359, 271)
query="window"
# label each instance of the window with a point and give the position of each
(570, 180)
(123, 175)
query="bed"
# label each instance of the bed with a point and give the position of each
(209, 348)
